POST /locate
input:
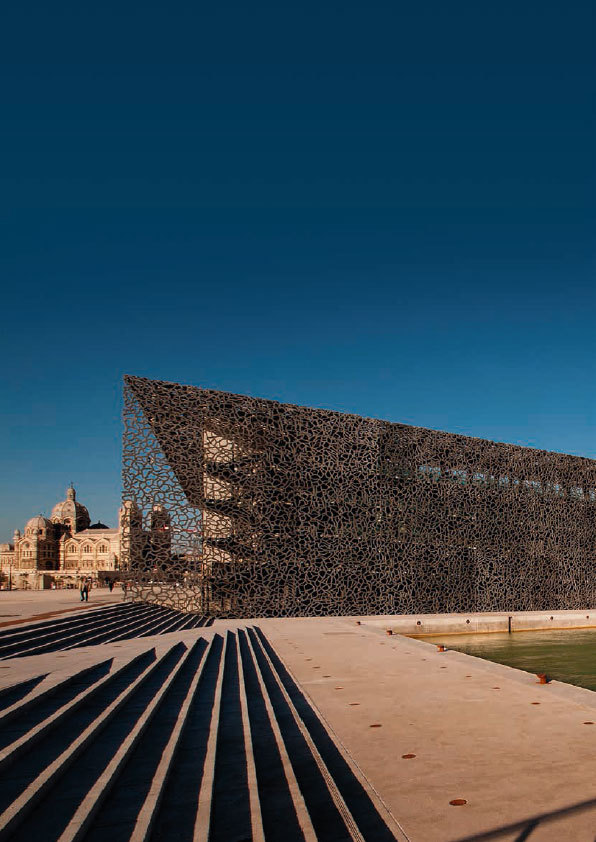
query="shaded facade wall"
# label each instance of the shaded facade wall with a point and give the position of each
(279, 510)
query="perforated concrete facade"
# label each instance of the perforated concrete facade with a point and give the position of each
(280, 510)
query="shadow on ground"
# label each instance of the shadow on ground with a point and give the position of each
(526, 827)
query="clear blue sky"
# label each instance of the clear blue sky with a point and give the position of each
(383, 208)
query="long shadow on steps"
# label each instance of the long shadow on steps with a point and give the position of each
(68, 637)
(178, 810)
(370, 823)
(230, 806)
(10, 695)
(26, 629)
(42, 631)
(325, 817)
(99, 626)
(47, 705)
(32, 763)
(54, 811)
(277, 807)
(117, 817)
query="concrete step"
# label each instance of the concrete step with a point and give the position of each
(72, 620)
(136, 799)
(343, 779)
(209, 740)
(166, 625)
(323, 809)
(131, 627)
(227, 813)
(51, 640)
(104, 625)
(84, 815)
(13, 695)
(34, 772)
(284, 805)
(193, 760)
(41, 707)
(32, 631)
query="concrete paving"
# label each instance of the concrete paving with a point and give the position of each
(189, 735)
(428, 728)
(291, 729)
(27, 606)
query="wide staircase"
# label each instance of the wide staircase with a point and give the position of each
(101, 625)
(201, 736)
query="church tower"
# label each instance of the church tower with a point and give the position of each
(133, 538)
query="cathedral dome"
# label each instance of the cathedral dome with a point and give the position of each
(38, 524)
(70, 513)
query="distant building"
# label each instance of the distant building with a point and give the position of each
(61, 550)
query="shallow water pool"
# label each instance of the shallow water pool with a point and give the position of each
(566, 655)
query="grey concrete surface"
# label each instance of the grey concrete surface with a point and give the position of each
(16, 606)
(473, 727)
(418, 728)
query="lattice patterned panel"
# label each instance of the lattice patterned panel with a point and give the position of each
(241, 507)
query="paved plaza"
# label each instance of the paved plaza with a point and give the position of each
(266, 729)
(19, 605)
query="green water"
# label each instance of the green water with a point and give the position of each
(568, 655)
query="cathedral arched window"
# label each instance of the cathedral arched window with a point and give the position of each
(87, 548)
(72, 548)
(102, 548)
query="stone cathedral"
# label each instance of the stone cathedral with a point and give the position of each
(61, 550)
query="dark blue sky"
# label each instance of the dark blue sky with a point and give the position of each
(382, 208)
